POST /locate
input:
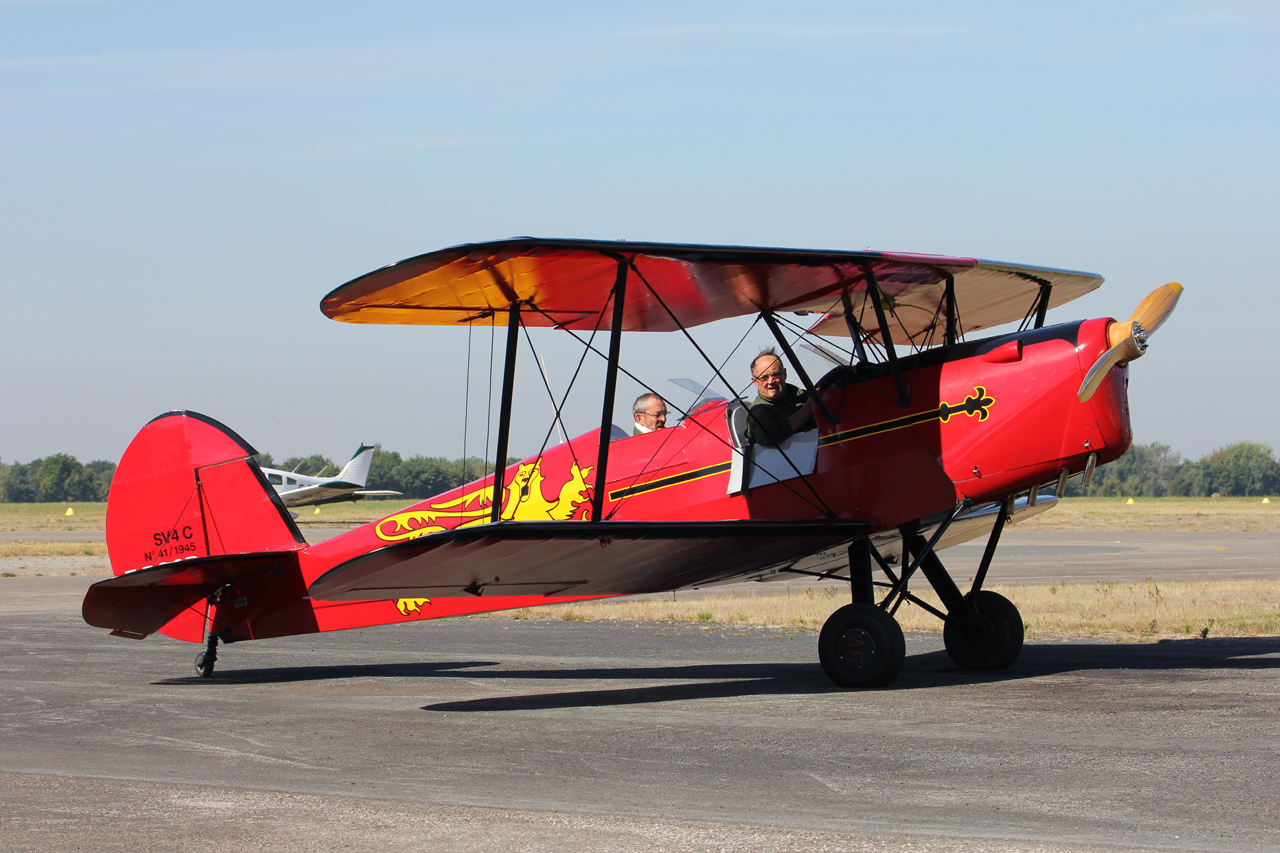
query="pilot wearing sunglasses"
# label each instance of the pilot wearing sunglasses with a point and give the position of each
(781, 410)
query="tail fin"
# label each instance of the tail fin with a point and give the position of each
(187, 487)
(356, 472)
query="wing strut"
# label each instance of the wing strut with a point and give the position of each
(953, 312)
(855, 330)
(795, 362)
(1042, 304)
(610, 387)
(904, 398)
(504, 413)
(992, 541)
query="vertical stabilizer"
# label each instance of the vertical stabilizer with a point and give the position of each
(187, 487)
(356, 472)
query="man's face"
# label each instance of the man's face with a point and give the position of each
(654, 415)
(769, 376)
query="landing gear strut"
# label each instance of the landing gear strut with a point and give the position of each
(207, 658)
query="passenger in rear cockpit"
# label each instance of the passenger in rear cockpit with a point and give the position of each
(650, 412)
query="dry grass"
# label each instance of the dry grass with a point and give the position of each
(1199, 515)
(349, 514)
(1146, 514)
(93, 516)
(53, 549)
(1139, 610)
(88, 516)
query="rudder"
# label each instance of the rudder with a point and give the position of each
(187, 487)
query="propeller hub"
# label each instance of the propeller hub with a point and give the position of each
(1128, 340)
(1140, 336)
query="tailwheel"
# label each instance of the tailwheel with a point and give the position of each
(207, 658)
(204, 664)
(861, 646)
(993, 640)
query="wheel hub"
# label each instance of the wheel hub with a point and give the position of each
(857, 648)
(982, 634)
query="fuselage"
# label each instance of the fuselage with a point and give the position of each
(985, 419)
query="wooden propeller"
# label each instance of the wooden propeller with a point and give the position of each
(1128, 340)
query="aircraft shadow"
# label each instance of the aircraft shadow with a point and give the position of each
(922, 671)
(326, 673)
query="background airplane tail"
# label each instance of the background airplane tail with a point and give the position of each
(186, 487)
(356, 472)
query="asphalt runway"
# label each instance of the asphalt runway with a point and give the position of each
(482, 734)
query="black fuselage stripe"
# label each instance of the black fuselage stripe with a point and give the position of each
(886, 426)
(675, 480)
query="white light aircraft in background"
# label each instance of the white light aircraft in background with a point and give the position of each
(300, 490)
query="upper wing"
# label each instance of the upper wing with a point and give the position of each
(987, 294)
(568, 282)
(577, 558)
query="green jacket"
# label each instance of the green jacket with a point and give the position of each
(767, 421)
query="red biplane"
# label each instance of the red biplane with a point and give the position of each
(912, 453)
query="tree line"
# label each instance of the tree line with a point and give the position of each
(58, 478)
(1154, 470)
(1244, 469)
(61, 478)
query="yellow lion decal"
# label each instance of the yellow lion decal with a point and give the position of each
(523, 500)
(526, 502)
(411, 605)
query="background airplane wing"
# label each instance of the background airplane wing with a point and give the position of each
(577, 558)
(330, 492)
(569, 281)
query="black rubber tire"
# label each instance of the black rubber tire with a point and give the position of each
(861, 646)
(204, 666)
(998, 640)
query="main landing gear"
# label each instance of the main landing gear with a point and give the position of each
(861, 644)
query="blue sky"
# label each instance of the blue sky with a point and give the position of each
(180, 183)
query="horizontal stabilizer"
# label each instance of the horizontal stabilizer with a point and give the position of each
(142, 602)
(577, 558)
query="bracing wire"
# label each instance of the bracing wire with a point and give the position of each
(558, 407)
(662, 303)
(645, 468)
(466, 406)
